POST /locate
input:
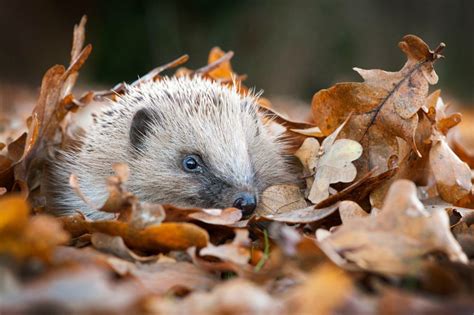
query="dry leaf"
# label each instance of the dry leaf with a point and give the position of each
(349, 210)
(395, 240)
(237, 252)
(437, 113)
(116, 246)
(308, 154)
(360, 188)
(453, 176)
(227, 216)
(154, 238)
(331, 163)
(16, 148)
(398, 302)
(408, 161)
(285, 121)
(163, 277)
(23, 237)
(14, 213)
(384, 106)
(463, 139)
(334, 166)
(86, 289)
(232, 297)
(461, 214)
(305, 215)
(224, 70)
(47, 115)
(279, 199)
(324, 291)
(310, 132)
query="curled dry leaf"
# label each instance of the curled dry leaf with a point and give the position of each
(167, 236)
(384, 107)
(116, 246)
(74, 183)
(119, 200)
(154, 238)
(305, 215)
(48, 112)
(331, 163)
(31, 151)
(227, 216)
(285, 121)
(467, 215)
(463, 138)
(408, 160)
(359, 189)
(310, 132)
(457, 214)
(16, 148)
(436, 111)
(395, 240)
(237, 252)
(453, 176)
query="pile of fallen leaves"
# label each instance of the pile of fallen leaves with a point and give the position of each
(385, 224)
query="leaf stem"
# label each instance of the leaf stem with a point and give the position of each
(266, 252)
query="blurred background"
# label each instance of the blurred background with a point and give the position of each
(287, 48)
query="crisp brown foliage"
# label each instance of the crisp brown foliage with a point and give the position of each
(384, 224)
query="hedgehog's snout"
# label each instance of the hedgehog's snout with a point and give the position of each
(247, 202)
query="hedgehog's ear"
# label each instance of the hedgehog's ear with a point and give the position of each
(140, 128)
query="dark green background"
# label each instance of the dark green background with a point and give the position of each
(286, 47)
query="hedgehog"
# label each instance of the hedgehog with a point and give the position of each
(188, 141)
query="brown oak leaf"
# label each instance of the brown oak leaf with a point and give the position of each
(384, 106)
(394, 240)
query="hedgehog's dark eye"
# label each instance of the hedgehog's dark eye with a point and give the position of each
(192, 163)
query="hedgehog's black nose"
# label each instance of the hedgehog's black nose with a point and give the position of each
(246, 202)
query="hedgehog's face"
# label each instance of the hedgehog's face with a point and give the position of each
(204, 152)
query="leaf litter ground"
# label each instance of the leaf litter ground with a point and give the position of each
(384, 222)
